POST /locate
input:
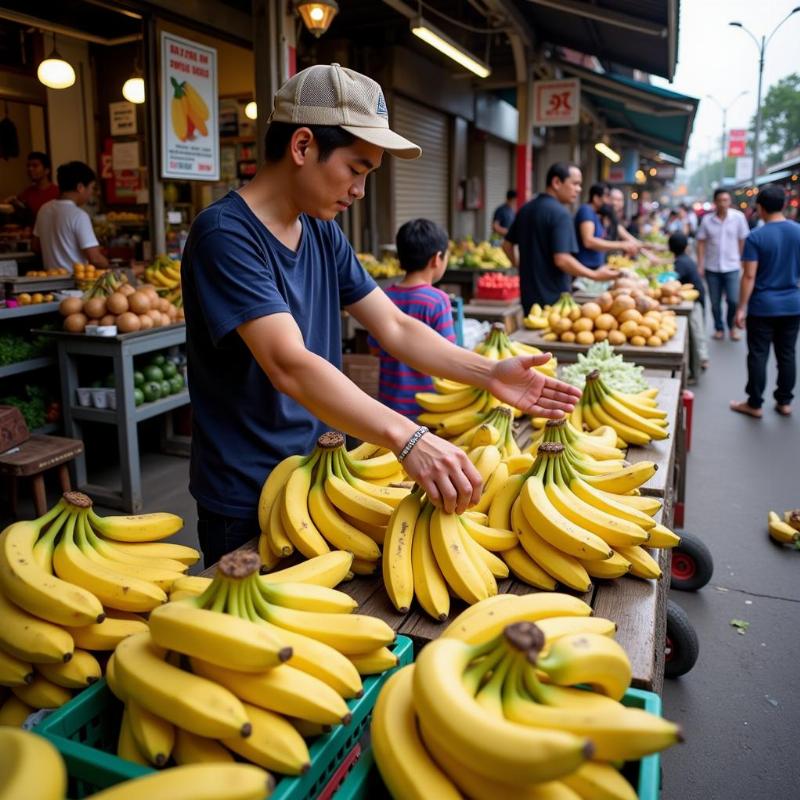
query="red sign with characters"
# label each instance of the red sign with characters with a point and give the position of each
(737, 142)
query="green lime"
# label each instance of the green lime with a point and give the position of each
(152, 391)
(165, 389)
(138, 379)
(138, 396)
(176, 383)
(153, 373)
(159, 360)
(169, 370)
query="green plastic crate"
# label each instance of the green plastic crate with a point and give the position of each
(85, 731)
(363, 782)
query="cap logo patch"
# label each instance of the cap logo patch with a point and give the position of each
(381, 109)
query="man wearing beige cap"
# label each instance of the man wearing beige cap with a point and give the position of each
(265, 273)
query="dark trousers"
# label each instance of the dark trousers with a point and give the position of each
(719, 284)
(219, 535)
(781, 333)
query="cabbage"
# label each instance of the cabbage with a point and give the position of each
(617, 374)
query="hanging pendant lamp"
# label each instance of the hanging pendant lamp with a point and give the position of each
(54, 72)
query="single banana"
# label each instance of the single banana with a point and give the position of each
(485, 621)
(555, 627)
(625, 479)
(663, 537)
(495, 748)
(138, 528)
(486, 460)
(329, 569)
(496, 481)
(430, 587)
(643, 565)
(187, 701)
(643, 409)
(375, 662)
(168, 550)
(31, 639)
(527, 570)
(223, 639)
(612, 504)
(486, 564)
(608, 568)
(196, 782)
(375, 532)
(356, 503)
(274, 535)
(500, 509)
(375, 468)
(274, 743)
(781, 531)
(308, 597)
(297, 522)
(80, 671)
(453, 559)
(398, 575)
(403, 761)
(30, 767)
(492, 539)
(444, 386)
(272, 487)
(41, 693)
(441, 403)
(13, 713)
(105, 635)
(601, 782)
(192, 749)
(284, 690)
(154, 736)
(647, 505)
(519, 464)
(364, 450)
(14, 671)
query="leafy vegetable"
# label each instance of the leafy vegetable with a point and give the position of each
(32, 406)
(617, 374)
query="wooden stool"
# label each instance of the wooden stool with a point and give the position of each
(32, 459)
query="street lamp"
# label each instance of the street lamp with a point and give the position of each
(724, 110)
(762, 46)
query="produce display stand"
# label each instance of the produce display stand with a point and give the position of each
(683, 309)
(672, 356)
(85, 731)
(507, 312)
(363, 782)
(121, 350)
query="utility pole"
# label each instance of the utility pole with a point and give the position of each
(724, 110)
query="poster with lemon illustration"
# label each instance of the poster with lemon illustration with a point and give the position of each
(189, 110)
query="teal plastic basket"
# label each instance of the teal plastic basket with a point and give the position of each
(363, 782)
(86, 729)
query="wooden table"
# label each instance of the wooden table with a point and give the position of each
(672, 357)
(508, 312)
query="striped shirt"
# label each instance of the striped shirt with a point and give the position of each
(399, 382)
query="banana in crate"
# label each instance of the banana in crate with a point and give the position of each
(72, 582)
(490, 710)
(260, 665)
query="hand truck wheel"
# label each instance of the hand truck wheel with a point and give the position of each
(682, 646)
(692, 564)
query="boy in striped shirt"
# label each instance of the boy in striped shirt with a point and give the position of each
(422, 252)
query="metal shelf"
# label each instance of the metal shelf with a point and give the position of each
(35, 309)
(26, 366)
(143, 412)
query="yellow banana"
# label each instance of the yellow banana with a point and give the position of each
(555, 627)
(441, 403)
(329, 569)
(14, 671)
(519, 464)
(374, 468)
(297, 522)
(430, 587)
(199, 107)
(105, 635)
(608, 568)
(781, 531)
(643, 565)
(602, 781)
(374, 662)
(461, 575)
(41, 693)
(169, 550)
(398, 575)
(446, 386)
(527, 570)
(364, 450)
(31, 639)
(30, 767)
(612, 504)
(500, 509)
(273, 485)
(485, 563)
(485, 459)
(663, 537)
(154, 736)
(80, 671)
(356, 503)
(180, 122)
(137, 528)
(13, 712)
(192, 749)
(308, 597)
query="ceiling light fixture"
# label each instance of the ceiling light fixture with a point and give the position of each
(317, 15)
(133, 88)
(444, 44)
(54, 72)
(605, 150)
(251, 110)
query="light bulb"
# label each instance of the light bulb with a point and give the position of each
(133, 90)
(55, 73)
(251, 110)
(316, 13)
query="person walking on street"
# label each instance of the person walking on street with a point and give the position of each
(592, 242)
(769, 303)
(541, 241)
(720, 241)
(504, 215)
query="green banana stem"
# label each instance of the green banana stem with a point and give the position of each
(500, 672)
(49, 515)
(43, 548)
(220, 600)
(474, 676)
(249, 590)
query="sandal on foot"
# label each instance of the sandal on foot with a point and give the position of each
(719, 335)
(744, 408)
(783, 410)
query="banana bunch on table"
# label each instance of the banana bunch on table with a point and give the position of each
(330, 499)
(490, 710)
(72, 582)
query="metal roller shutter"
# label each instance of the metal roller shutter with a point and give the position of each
(422, 187)
(499, 176)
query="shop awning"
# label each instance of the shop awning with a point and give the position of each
(641, 34)
(657, 118)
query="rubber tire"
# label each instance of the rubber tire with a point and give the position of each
(681, 637)
(692, 552)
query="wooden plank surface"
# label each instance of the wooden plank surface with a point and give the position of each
(670, 355)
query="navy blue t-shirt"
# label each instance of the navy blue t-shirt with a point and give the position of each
(542, 228)
(504, 215)
(776, 248)
(687, 271)
(234, 270)
(589, 258)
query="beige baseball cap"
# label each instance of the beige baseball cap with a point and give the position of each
(329, 94)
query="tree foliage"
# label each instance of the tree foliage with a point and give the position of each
(780, 116)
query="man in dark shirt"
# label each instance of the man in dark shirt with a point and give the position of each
(687, 271)
(504, 215)
(544, 233)
(592, 241)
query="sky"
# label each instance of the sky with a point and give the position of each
(716, 59)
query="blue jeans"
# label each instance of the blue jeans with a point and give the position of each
(720, 283)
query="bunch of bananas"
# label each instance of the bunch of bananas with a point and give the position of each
(104, 286)
(571, 531)
(189, 111)
(330, 498)
(256, 665)
(536, 319)
(498, 346)
(449, 412)
(477, 719)
(497, 430)
(73, 582)
(31, 767)
(786, 530)
(165, 275)
(565, 308)
(635, 418)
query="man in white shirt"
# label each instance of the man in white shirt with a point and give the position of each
(63, 233)
(720, 242)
